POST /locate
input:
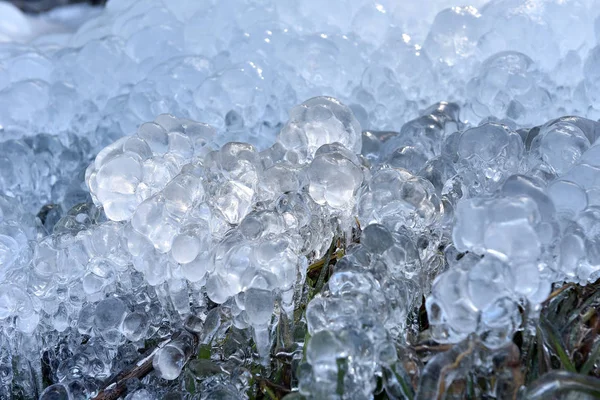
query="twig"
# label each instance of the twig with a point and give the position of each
(434, 348)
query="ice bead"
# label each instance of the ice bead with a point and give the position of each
(281, 178)
(560, 144)
(170, 360)
(503, 227)
(240, 91)
(16, 303)
(395, 197)
(474, 298)
(233, 173)
(27, 106)
(438, 171)
(531, 188)
(376, 238)
(109, 314)
(191, 242)
(454, 34)
(380, 97)
(135, 326)
(134, 168)
(140, 394)
(334, 177)
(427, 132)
(319, 121)
(55, 392)
(587, 266)
(372, 21)
(568, 197)
(509, 23)
(16, 24)
(267, 262)
(16, 229)
(507, 86)
(160, 217)
(487, 155)
(259, 307)
(371, 146)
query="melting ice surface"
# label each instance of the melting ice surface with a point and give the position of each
(175, 166)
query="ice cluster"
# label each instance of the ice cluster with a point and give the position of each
(170, 170)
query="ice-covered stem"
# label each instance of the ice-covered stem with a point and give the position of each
(559, 382)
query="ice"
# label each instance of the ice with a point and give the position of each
(169, 170)
(129, 172)
(16, 23)
(426, 133)
(334, 177)
(376, 238)
(561, 143)
(455, 33)
(55, 392)
(395, 197)
(171, 358)
(489, 226)
(509, 83)
(135, 326)
(359, 297)
(233, 179)
(258, 304)
(514, 232)
(17, 307)
(488, 154)
(475, 298)
(590, 72)
(141, 394)
(568, 197)
(316, 122)
(109, 314)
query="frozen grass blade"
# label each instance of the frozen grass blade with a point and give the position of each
(552, 338)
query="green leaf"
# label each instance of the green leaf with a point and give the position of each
(541, 351)
(405, 386)
(268, 392)
(342, 365)
(190, 382)
(592, 358)
(204, 352)
(554, 341)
